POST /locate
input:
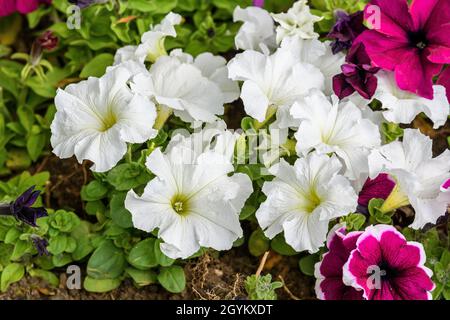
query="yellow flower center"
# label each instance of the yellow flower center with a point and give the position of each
(108, 122)
(312, 201)
(180, 204)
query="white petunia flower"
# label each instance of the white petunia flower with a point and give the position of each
(134, 67)
(403, 106)
(127, 53)
(318, 54)
(258, 30)
(96, 118)
(303, 198)
(335, 127)
(418, 174)
(182, 88)
(213, 137)
(215, 69)
(298, 21)
(272, 81)
(193, 204)
(152, 42)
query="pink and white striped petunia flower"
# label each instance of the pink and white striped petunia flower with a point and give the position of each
(387, 267)
(446, 186)
(328, 272)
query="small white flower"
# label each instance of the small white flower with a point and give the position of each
(96, 118)
(274, 81)
(418, 174)
(298, 21)
(335, 127)
(403, 106)
(215, 69)
(303, 198)
(192, 205)
(182, 88)
(152, 42)
(258, 30)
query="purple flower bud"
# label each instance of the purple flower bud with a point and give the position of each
(48, 40)
(21, 208)
(258, 3)
(346, 29)
(41, 245)
(85, 3)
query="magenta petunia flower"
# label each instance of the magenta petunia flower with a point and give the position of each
(444, 80)
(412, 41)
(387, 267)
(378, 188)
(328, 272)
(258, 3)
(446, 186)
(8, 7)
(346, 29)
(358, 74)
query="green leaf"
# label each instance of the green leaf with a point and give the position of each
(120, 215)
(22, 247)
(142, 278)
(61, 259)
(12, 273)
(142, 256)
(355, 221)
(63, 221)
(97, 66)
(246, 212)
(279, 245)
(391, 131)
(162, 259)
(95, 190)
(12, 235)
(94, 207)
(153, 6)
(36, 16)
(107, 262)
(26, 117)
(172, 279)
(258, 243)
(83, 241)
(307, 263)
(48, 276)
(230, 5)
(127, 176)
(57, 244)
(100, 285)
(36, 144)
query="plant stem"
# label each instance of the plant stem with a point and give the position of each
(271, 111)
(129, 153)
(164, 114)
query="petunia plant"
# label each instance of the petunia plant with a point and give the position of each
(315, 130)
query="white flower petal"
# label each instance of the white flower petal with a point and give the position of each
(402, 106)
(258, 28)
(303, 198)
